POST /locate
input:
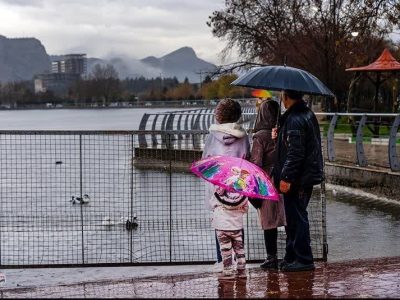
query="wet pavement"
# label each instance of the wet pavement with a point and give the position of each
(372, 278)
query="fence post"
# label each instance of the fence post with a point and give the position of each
(323, 205)
(330, 138)
(361, 160)
(153, 136)
(170, 195)
(81, 195)
(131, 196)
(393, 159)
(142, 126)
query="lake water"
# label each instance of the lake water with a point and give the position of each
(75, 119)
(356, 227)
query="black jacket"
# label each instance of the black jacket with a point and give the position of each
(299, 154)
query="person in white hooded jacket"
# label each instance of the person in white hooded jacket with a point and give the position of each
(227, 138)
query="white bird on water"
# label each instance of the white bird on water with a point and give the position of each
(80, 200)
(85, 199)
(75, 200)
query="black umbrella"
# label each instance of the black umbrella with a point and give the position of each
(280, 78)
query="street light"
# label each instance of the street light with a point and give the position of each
(354, 33)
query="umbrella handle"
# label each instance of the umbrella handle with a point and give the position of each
(279, 113)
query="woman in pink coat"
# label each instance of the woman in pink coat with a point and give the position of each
(271, 213)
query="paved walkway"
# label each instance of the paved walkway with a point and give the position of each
(374, 278)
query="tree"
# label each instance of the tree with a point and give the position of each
(221, 88)
(105, 83)
(311, 34)
(183, 91)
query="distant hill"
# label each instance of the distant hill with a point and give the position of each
(180, 63)
(22, 58)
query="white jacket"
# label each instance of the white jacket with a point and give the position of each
(228, 139)
(227, 217)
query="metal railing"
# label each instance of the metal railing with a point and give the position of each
(363, 139)
(98, 198)
(185, 120)
(346, 135)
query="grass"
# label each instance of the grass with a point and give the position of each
(343, 127)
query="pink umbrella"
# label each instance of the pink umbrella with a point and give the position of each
(236, 175)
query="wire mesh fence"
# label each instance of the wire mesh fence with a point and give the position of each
(98, 197)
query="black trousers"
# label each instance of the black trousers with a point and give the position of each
(271, 241)
(298, 242)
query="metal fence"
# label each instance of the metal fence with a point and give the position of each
(100, 197)
(362, 139)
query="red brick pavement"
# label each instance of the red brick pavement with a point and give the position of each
(374, 278)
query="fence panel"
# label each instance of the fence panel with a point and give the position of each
(104, 198)
(38, 223)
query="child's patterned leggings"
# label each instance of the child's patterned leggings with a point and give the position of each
(228, 240)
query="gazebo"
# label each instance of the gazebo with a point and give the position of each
(385, 67)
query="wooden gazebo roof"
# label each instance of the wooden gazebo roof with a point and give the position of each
(385, 63)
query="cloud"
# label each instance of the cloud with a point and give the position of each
(23, 2)
(102, 27)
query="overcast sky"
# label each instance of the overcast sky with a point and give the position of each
(104, 28)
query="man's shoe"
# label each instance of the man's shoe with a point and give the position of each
(283, 263)
(298, 267)
(271, 263)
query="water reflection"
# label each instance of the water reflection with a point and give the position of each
(300, 284)
(273, 287)
(232, 288)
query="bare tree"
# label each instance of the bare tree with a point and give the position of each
(315, 35)
(105, 83)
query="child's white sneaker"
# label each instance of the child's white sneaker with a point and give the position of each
(227, 273)
(218, 267)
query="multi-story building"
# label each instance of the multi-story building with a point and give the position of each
(70, 63)
(58, 83)
(64, 73)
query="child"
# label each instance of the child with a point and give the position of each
(228, 210)
(227, 138)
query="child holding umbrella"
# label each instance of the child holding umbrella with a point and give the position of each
(227, 138)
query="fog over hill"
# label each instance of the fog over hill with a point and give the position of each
(180, 63)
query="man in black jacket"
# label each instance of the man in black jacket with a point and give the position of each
(298, 167)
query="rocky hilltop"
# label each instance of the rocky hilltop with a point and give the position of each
(180, 63)
(22, 58)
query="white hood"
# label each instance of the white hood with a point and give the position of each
(229, 128)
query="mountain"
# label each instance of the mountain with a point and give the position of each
(22, 58)
(180, 63)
